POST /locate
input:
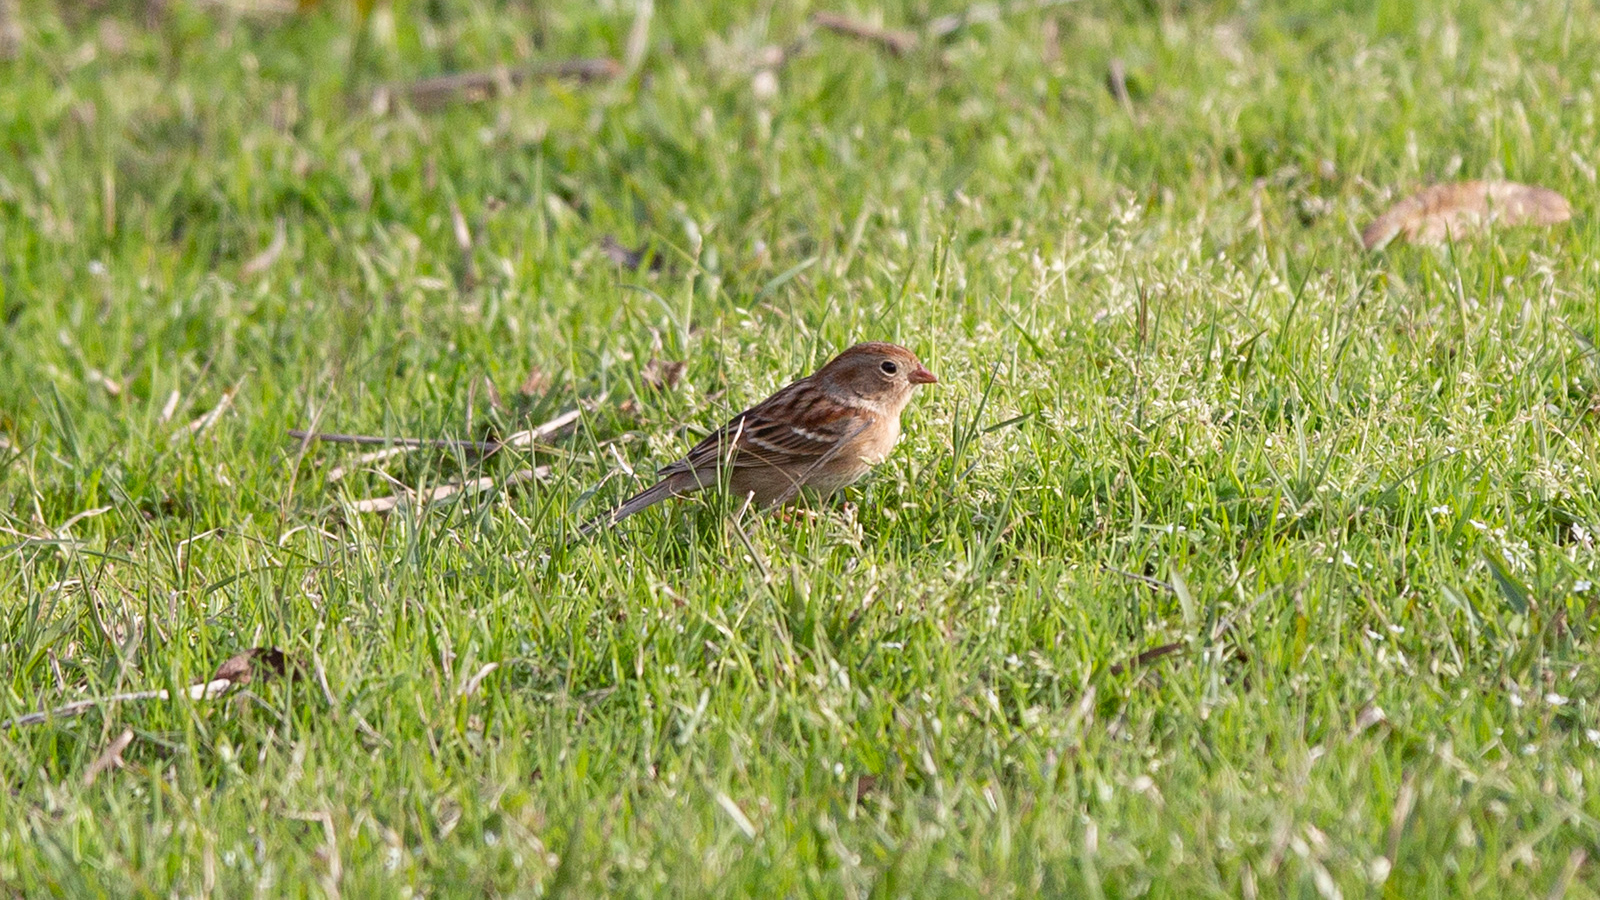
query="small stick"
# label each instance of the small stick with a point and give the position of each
(1147, 657)
(384, 440)
(895, 41)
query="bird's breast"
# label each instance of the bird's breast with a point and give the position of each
(878, 440)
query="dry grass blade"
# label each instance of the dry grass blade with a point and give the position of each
(329, 852)
(471, 87)
(463, 234)
(472, 486)
(895, 41)
(366, 459)
(1117, 84)
(471, 687)
(524, 438)
(170, 407)
(332, 437)
(255, 664)
(542, 432)
(1404, 801)
(201, 424)
(1460, 209)
(111, 757)
(1575, 861)
(263, 261)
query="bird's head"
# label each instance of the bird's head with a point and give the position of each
(880, 373)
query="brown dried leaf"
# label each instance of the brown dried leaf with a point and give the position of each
(1461, 209)
(245, 666)
(663, 375)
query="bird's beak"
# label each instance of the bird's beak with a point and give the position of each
(920, 375)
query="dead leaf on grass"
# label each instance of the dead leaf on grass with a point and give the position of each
(663, 375)
(245, 666)
(1458, 210)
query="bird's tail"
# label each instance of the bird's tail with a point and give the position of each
(646, 498)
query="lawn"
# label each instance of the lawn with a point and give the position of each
(1227, 558)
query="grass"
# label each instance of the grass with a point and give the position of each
(1359, 488)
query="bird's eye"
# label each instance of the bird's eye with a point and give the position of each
(889, 368)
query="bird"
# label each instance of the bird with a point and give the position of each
(820, 434)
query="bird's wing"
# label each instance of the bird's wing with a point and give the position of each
(767, 434)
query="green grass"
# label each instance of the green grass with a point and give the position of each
(1368, 481)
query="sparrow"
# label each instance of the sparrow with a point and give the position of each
(820, 433)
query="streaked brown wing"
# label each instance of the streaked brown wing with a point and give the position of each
(765, 435)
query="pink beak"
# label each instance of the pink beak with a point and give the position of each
(920, 375)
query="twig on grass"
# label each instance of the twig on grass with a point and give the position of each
(893, 40)
(1147, 657)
